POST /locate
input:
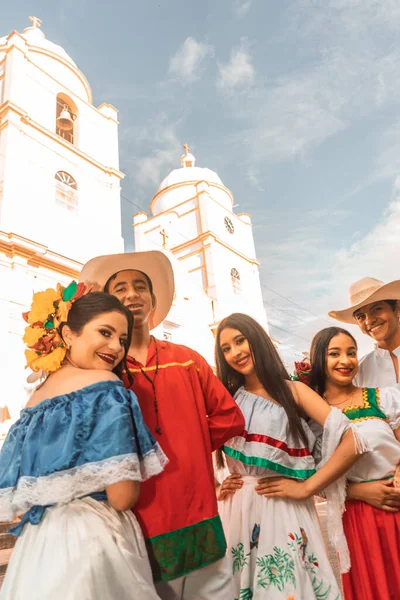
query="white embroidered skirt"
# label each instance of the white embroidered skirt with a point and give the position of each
(276, 548)
(84, 550)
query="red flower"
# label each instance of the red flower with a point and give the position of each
(303, 372)
(81, 290)
(291, 536)
(316, 564)
(46, 343)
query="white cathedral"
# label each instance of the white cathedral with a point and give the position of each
(60, 206)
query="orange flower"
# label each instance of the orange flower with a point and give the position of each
(32, 335)
(62, 312)
(48, 362)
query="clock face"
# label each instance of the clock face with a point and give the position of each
(229, 225)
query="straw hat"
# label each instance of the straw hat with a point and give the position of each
(365, 291)
(154, 264)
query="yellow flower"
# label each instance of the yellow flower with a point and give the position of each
(32, 335)
(62, 312)
(48, 362)
(42, 305)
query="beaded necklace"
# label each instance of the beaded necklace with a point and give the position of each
(152, 383)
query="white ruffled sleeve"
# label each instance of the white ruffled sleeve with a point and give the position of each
(335, 427)
(390, 403)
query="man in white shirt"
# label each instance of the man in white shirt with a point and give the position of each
(375, 307)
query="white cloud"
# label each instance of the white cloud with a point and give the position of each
(388, 159)
(321, 279)
(186, 64)
(239, 71)
(241, 8)
(353, 74)
(374, 255)
(158, 151)
(254, 179)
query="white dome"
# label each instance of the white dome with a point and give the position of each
(36, 37)
(180, 186)
(190, 174)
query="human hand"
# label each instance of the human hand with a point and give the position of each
(380, 494)
(229, 486)
(282, 487)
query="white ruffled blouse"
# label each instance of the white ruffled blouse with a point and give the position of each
(267, 447)
(376, 420)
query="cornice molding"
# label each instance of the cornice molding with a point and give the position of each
(38, 255)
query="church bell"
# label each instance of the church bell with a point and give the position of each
(64, 121)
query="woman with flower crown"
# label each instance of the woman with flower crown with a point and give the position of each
(372, 518)
(71, 466)
(266, 504)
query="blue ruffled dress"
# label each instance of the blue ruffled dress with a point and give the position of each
(55, 465)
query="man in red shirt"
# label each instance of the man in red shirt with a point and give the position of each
(191, 414)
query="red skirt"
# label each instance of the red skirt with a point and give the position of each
(373, 537)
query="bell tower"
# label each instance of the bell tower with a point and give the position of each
(59, 182)
(215, 264)
(59, 153)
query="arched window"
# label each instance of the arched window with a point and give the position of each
(235, 278)
(66, 118)
(66, 190)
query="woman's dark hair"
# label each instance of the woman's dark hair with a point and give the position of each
(89, 307)
(318, 351)
(268, 366)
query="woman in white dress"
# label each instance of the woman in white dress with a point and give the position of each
(372, 518)
(272, 529)
(73, 462)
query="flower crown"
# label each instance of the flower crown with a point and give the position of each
(46, 349)
(302, 372)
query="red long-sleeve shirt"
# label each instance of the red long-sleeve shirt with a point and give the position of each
(178, 510)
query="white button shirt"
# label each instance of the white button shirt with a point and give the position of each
(376, 369)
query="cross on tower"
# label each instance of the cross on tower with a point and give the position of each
(164, 236)
(36, 22)
(186, 147)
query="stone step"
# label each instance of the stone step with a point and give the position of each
(5, 526)
(5, 556)
(7, 541)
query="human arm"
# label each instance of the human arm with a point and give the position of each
(123, 495)
(346, 447)
(389, 401)
(225, 419)
(340, 462)
(380, 494)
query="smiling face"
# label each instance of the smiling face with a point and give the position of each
(236, 351)
(133, 291)
(380, 321)
(101, 343)
(341, 360)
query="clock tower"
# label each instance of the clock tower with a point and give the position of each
(211, 249)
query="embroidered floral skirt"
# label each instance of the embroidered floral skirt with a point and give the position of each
(373, 537)
(276, 548)
(84, 550)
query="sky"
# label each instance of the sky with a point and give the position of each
(294, 103)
